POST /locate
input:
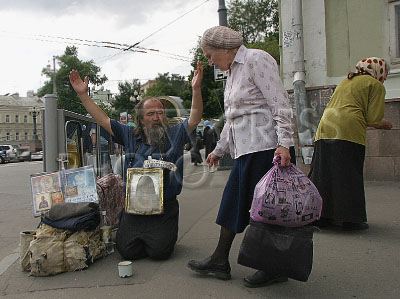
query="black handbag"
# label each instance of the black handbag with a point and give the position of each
(278, 250)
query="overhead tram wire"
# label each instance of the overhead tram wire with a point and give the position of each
(119, 44)
(72, 41)
(129, 47)
(173, 21)
(149, 51)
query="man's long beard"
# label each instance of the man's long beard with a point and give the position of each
(157, 134)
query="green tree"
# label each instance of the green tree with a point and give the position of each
(258, 22)
(67, 97)
(270, 45)
(167, 85)
(126, 90)
(255, 19)
(213, 100)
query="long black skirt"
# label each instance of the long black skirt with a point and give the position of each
(337, 172)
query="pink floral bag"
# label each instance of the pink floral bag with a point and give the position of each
(285, 196)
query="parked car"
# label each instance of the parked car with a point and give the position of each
(11, 151)
(37, 156)
(3, 157)
(25, 156)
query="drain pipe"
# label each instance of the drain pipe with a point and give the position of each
(299, 83)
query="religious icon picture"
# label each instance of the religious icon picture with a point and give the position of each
(56, 197)
(42, 202)
(144, 191)
(80, 185)
(46, 190)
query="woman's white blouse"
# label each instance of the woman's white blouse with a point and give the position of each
(257, 109)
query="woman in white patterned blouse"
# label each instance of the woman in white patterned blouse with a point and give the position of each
(258, 127)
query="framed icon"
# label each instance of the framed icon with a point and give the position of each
(46, 191)
(42, 202)
(144, 191)
(80, 185)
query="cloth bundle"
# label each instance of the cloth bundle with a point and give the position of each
(110, 189)
(277, 250)
(68, 239)
(85, 222)
(54, 251)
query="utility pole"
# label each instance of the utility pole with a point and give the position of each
(34, 116)
(223, 21)
(222, 13)
(54, 75)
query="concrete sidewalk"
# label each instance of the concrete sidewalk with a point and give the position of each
(362, 264)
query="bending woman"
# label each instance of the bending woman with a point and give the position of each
(337, 167)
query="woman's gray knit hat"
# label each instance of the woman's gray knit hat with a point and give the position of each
(221, 37)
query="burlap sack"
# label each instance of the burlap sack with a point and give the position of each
(25, 239)
(97, 247)
(76, 251)
(53, 251)
(81, 249)
(46, 256)
(46, 251)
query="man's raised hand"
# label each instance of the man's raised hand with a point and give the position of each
(79, 86)
(198, 76)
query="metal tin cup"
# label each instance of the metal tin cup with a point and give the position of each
(125, 269)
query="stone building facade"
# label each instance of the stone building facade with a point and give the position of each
(17, 121)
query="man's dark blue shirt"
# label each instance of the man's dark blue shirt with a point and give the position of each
(178, 136)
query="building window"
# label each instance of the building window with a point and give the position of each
(7, 118)
(397, 24)
(8, 136)
(17, 136)
(394, 31)
(25, 118)
(17, 118)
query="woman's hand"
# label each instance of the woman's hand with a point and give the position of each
(383, 125)
(285, 156)
(198, 76)
(81, 87)
(212, 160)
(386, 125)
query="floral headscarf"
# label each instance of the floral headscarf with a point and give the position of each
(374, 66)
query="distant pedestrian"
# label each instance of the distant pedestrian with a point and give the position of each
(337, 166)
(209, 137)
(197, 145)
